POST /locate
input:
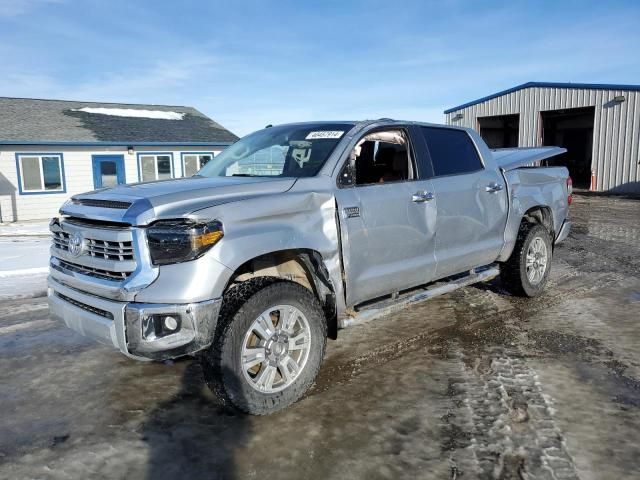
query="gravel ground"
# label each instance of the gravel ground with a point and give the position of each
(475, 384)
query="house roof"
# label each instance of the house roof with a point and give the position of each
(31, 120)
(581, 86)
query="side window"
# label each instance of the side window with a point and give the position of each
(382, 157)
(40, 173)
(452, 151)
(192, 162)
(155, 166)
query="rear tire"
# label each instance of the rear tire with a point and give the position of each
(526, 271)
(269, 345)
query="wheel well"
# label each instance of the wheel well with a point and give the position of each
(302, 266)
(540, 215)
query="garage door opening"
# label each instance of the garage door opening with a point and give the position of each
(500, 131)
(573, 130)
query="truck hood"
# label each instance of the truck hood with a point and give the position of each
(142, 203)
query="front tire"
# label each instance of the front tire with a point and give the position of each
(269, 345)
(526, 272)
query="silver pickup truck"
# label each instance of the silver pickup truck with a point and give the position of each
(294, 232)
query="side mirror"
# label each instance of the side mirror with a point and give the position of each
(348, 173)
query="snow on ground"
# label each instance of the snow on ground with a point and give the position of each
(23, 267)
(30, 229)
(26, 286)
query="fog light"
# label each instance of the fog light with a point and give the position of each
(158, 325)
(170, 323)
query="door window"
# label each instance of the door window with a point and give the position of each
(380, 157)
(452, 151)
(108, 173)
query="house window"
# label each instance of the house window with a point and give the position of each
(192, 162)
(40, 173)
(155, 166)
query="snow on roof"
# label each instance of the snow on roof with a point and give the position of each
(130, 112)
(30, 121)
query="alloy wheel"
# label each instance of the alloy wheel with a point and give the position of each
(536, 260)
(275, 348)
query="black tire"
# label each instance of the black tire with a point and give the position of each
(513, 272)
(222, 362)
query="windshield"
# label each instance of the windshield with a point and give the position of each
(284, 151)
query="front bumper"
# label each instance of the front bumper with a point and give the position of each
(125, 325)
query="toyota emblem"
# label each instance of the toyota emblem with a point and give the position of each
(76, 245)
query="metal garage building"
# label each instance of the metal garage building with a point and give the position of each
(598, 124)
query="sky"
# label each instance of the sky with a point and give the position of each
(247, 64)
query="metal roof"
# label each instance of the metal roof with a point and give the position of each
(31, 120)
(584, 86)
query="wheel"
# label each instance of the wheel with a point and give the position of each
(527, 270)
(269, 346)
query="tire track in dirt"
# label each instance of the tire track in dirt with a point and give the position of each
(485, 316)
(500, 424)
(510, 419)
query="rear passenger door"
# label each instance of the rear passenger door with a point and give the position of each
(471, 202)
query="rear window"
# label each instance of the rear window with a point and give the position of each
(452, 151)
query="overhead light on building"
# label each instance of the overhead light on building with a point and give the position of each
(130, 150)
(458, 116)
(619, 99)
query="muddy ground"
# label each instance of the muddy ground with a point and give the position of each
(476, 384)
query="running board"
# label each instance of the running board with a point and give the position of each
(388, 306)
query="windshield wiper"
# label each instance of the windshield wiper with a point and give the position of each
(246, 175)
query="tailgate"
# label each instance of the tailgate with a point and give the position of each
(510, 158)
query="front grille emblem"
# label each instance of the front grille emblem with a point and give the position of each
(76, 245)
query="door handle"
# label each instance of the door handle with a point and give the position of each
(494, 187)
(420, 197)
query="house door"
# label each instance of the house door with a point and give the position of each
(108, 170)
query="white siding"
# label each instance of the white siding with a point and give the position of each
(616, 129)
(78, 176)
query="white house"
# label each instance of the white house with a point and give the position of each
(52, 149)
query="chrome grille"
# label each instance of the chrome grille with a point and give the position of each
(109, 250)
(93, 272)
(103, 253)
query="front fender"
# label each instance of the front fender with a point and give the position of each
(303, 220)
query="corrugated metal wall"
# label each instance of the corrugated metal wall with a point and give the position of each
(616, 129)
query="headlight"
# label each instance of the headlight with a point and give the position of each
(174, 241)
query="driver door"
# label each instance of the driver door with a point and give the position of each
(387, 218)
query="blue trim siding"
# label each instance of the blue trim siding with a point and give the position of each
(173, 166)
(583, 86)
(40, 192)
(182, 154)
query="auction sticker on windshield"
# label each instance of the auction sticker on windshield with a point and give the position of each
(324, 134)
